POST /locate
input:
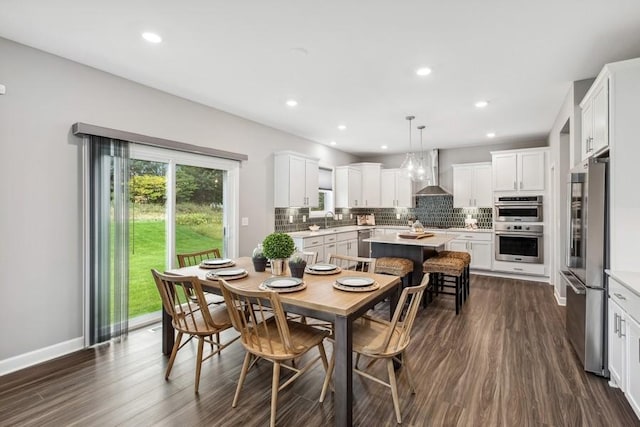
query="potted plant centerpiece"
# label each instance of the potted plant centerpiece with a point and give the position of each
(278, 247)
(297, 264)
(258, 258)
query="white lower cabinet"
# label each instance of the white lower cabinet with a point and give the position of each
(616, 344)
(624, 341)
(311, 244)
(479, 245)
(633, 364)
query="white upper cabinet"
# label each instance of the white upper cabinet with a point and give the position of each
(396, 189)
(472, 185)
(519, 170)
(358, 185)
(295, 180)
(370, 184)
(595, 117)
(348, 192)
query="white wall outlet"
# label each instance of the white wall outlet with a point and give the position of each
(290, 218)
(350, 216)
(304, 218)
(3, 90)
(244, 221)
(339, 217)
(397, 216)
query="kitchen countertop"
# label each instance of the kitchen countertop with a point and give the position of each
(427, 242)
(630, 279)
(343, 229)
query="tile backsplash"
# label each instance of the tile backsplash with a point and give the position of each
(431, 211)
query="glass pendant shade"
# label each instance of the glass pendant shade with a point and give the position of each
(410, 162)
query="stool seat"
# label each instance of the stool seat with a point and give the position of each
(464, 256)
(445, 265)
(394, 266)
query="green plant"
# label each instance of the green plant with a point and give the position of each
(278, 245)
(297, 259)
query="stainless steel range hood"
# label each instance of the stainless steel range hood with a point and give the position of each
(432, 188)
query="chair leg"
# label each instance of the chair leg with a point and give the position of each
(405, 366)
(394, 389)
(199, 362)
(174, 351)
(274, 392)
(243, 375)
(323, 356)
(327, 378)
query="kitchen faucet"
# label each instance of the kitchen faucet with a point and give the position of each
(326, 216)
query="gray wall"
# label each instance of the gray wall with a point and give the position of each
(452, 156)
(41, 182)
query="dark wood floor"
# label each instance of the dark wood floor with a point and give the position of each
(504, 361)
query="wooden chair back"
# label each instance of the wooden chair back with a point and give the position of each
(310, 257)
(194, 258)
(368, 265)
(261, 321)
(183, 298)
(402, 329)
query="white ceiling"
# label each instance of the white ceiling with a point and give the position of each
(243, 57)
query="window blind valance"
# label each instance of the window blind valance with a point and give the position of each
(85, 129)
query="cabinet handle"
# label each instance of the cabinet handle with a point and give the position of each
(515, 185)
(619, 296)
(517, 269)
(615, 323)
(620, 334)
(521, 185)
(470, 202)
(475, 202)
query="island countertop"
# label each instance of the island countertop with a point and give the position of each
(434, 242)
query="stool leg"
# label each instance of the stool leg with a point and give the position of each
(458, 293)
(468, 279)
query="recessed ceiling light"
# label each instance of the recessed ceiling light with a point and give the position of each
(333, 143)
(482, 104)
(151, 37)
(342, 127)
(292, 102)
(424, 71)
(384, 147)
(491, 135)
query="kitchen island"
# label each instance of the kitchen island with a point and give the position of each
(417, 250)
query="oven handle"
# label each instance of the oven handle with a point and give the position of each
(517, 204)
(518, 234)
(570, 280)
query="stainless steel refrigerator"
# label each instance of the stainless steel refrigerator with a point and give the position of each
(587, 258)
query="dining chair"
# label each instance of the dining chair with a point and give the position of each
(353, 262)
(379, 339)
(183, 299)
(195, 258)
(266, 333)
(310, 257)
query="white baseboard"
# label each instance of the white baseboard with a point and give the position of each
(561, 300)
(31, 358)
(507, 275)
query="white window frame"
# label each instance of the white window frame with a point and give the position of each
(330, 207)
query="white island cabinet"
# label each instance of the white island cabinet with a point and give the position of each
(295, 180)
(624, 334)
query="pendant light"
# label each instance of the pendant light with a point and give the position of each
(421, 168)
(409, 164)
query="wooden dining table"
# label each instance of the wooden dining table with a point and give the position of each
(319, 300)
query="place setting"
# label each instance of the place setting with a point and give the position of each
(283, 284)
(322, 269)
(227, 274)
(217, 263)
(356, 284)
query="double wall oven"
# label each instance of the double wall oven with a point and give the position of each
(519, 231)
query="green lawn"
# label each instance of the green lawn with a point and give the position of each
(147, 244)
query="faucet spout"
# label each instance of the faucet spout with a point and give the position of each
(327, 216)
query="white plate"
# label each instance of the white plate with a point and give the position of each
(230, 272)
(282, 282)
(217, 261)
(323, 267)
(355, 281)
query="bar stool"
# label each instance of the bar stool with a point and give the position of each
(466, 258)
(445, 272)
(401, 267)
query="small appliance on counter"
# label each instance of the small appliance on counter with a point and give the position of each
(470, 223)
(366, 219)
